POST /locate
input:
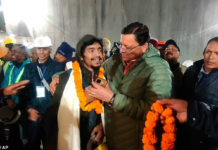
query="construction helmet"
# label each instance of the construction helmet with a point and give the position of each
(9, 41)
(42, 41)
(109, 42)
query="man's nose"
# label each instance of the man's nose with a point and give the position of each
(212, 56)
(98, 53)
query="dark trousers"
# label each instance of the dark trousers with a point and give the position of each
(18, 131)
(3, 141)
(35, 135)
(14, 140)
(15, 134)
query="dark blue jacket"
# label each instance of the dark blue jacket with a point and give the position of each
(205, 90)
(190, 79)
(203, 117)
(28, 95)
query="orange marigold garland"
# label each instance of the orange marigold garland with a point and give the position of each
(168, 138)
(97, 105)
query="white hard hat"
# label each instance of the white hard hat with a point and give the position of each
(42, 41)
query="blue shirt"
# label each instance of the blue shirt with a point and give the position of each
(202, 74)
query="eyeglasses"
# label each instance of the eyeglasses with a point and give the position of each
(119, 45)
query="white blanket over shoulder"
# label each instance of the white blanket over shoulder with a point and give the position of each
(69, 117)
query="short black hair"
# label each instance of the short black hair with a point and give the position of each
(140, 31)
(90, 42)
(213, 39)
(9, 46)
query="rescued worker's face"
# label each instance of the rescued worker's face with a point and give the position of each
(93, 56)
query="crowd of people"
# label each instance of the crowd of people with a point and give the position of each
(41, 98)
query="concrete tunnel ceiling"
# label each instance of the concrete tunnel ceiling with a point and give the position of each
(190, 23)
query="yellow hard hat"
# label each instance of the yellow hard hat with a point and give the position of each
(9, 41)
(108, 41)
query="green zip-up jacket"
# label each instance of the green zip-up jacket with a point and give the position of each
(148, 80)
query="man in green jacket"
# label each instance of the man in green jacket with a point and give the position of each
(137, 78)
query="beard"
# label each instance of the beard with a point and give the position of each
(95, 68)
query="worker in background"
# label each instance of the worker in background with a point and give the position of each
(12, 89)
(172, 55)
(3, 52)
(201, 116)
(160, 47)
(33, 55)
(16, 68)
(6, 60)
(64, 53)
(106, 48)
(200, 84)
(13, 75)
(37, 95)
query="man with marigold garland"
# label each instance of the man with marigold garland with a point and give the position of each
(67, 125)
(137, 77)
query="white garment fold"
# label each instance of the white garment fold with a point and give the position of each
(69, 117)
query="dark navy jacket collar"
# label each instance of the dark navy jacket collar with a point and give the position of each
(46, 63)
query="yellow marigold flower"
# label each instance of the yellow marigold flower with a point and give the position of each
(147, 130)
(150, 124)
(169, 128)
(170, 120)
(151, 116)
(148, 147)
(167, 113)
(149, 138)
(157, 107)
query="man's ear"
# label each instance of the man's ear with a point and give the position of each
(23, 52)
(180, 54)
(144, 47)
(81, 58)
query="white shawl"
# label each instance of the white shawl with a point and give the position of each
(69, 117)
